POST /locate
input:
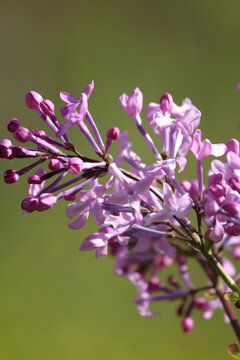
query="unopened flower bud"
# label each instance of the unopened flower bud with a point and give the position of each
(22, 134)
(113, 133)
(10, 176)
(233, 145)
(211, 208)
(5, 142)
(46, 201)
(6, 152)
(29, 204)
(33, 100)
(70, 197)
(180, 260)
(47, 107)
(166, 103)
(236, 253)
(200, 303)
(38, 133)
(34, 179)
(232, 208)
(13, 125)
(187, 325)
(232, 230)
(235, 184)
(55, 164)
(75, 165)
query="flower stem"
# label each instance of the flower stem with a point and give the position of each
(230, 313)
(218, 268)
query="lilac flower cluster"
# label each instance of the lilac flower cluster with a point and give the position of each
(142, 211)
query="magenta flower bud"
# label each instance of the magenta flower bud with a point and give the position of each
(215, 179)
(180, 260)
(29, 204)
(216, 233)
(238, 88)
(70, 197)
(88, 90)
(33, 100)
(13, 125)
(34, 179)
(18, 151)
(46, 201)
(22, 134)
(166, 103)
(5, 143)
(235, 184)
(38, 133)
(200, 303)
(191, 187)
(211, 208)
(236, 253)
(113, 133)
(232, 208)
(10, 176)
(186, 185)
(47, 107)
(233, 145)
(75, 165)
(55, 164)
(232, 230)
(5, 152)
(187, 324)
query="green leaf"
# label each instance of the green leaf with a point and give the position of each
(231, 296)
(234, 350)
(210, 296)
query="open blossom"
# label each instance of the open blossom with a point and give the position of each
(147, 219)
(133, 103)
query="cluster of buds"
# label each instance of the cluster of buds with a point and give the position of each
(142, 211)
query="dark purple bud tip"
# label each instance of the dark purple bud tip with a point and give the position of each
(10, 176)
(29, 204)
(47, 107)
(22, 134)
(70, 197)
(233, 145)
(180, 260)
(13, 125)
(187, 324)
(38, 133)
(34, 179)
(75, 165)
(5, 152)
(46, 201)
(55, 164)
(113, 133)
(232, 208)
(166, 103)
(200, 303)
(6, 142)
(33, 100)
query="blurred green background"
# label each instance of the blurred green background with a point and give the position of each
(58, 303)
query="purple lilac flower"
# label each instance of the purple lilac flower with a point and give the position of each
(147, 219)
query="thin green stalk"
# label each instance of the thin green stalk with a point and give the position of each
(218, 268)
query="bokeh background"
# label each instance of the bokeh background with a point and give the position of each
(58, 303)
